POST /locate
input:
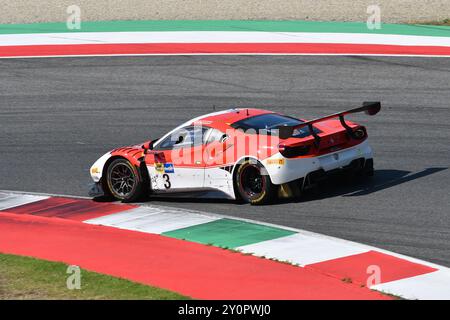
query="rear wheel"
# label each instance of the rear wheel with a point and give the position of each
(253, 184)
(365, 170)
(123, 180)
(368, 168)
(361, 173)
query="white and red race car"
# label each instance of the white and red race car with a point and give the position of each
(248, 154)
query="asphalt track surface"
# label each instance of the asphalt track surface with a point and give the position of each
(58, 115)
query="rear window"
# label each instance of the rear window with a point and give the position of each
(267, 122)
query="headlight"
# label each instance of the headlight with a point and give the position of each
(95, 170)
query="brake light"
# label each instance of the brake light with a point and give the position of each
(360, 133)
(293, 151)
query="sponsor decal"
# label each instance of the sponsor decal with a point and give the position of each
(169, 168)
(95, 170)
(279, 162)
(159, 167)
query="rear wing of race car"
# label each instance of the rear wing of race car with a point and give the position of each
(370, 108)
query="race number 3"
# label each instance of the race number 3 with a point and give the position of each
(167, 183)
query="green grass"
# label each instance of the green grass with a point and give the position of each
(29, 278)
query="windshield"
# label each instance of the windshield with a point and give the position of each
(267, 122)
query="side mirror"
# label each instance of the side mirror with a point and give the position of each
(224, 138)
(148, 145)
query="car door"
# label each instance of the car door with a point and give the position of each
(218, 162)
(176, 163)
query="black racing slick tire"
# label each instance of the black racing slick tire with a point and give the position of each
(366, 171)
(368, 168)
(124, 181)
(253, 184)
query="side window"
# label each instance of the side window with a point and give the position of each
(216, 135)
(183, 138)
(198, 135)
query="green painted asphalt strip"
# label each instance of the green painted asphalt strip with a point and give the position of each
(228, 233)
(227, 25)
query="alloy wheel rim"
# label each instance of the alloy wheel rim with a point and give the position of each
(251, 181)
(122, 179)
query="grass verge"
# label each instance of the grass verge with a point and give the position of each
(29, 278)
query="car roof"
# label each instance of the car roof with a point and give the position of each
(220, 120)
(223, 119)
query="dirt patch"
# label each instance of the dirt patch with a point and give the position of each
(28, 11)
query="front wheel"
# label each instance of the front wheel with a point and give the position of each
(253, 183)
(123, 180)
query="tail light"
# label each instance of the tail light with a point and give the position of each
(293, 151)
(360, 133)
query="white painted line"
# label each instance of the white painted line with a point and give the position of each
(153, 219)
(218, 37)
(122, 217)
(42, 194)
(430, 286)
(8, 201)
(303, 249)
